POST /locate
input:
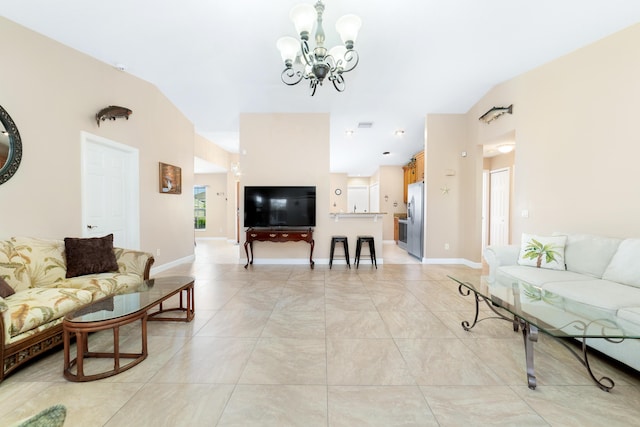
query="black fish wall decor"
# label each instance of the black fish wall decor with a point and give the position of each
(494, 113)
(112, 112)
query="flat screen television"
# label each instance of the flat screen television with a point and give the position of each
(282, 206)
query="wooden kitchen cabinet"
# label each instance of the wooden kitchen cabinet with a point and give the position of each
(413, 172)
(407, 180)
(419, 167)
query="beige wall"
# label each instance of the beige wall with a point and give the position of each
(225, 223)
(278, 149)
(218, 201)
(577, 137)
(207, 150)
(234, 222)
(391, 185)
(501, 161)
(449, 215)
(359, 181)
(53, 93)
(272, 154)
(338, 203)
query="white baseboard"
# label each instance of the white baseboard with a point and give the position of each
(285, 261)
(226, 239)
(167, 266)
(325, 261)
(303, 261)
(450, 261)
(319, 261)
(343, 262)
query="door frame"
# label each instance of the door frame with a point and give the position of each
(485, 209)
(374, 197)
(131, 196)
(507, 217)
(237, 220)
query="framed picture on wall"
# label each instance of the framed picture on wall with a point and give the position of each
(170, 179)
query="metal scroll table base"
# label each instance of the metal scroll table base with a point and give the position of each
(530, 336)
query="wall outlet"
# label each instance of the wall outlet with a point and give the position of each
(446, 246)
(158, 252)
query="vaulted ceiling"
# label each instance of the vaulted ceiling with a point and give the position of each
(216, 59)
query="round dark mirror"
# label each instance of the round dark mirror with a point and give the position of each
(10, 146)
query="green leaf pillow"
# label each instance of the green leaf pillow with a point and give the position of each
(542, 251)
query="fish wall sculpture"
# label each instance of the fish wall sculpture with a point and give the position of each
(112, 112)
(495, 112)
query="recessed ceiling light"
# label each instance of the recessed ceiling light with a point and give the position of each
(506, 148)
(399, 132)
(349, 132)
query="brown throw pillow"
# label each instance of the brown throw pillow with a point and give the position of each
(90, 256)
(5, 289)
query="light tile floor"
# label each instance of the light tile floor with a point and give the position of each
(280, 345)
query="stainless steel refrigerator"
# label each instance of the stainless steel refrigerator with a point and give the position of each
(415, 219)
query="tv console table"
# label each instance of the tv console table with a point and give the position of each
(277, 235)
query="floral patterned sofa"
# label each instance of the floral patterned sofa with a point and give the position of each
(41, 291)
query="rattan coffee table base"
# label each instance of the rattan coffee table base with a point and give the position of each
(117, 311)
(81, 332)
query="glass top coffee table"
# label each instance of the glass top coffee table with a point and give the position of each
(119, 310)
(533, 309)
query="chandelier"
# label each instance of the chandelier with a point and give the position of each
(318, 64)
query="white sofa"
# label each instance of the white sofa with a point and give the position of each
(602, 274)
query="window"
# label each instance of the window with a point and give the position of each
(200, 207)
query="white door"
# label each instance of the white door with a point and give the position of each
(499, 207)
(357, 199)
(110, 191)
(374, 198)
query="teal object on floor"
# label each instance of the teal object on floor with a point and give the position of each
(50, 417)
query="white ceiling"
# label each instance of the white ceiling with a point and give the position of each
(215, 59)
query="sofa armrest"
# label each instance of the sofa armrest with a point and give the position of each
(4, 331)
(497, 256)
(136, 262)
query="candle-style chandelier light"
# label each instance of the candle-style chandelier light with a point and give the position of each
(318, 64)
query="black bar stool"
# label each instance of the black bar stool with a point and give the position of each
(372, 250)
(345, 243)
